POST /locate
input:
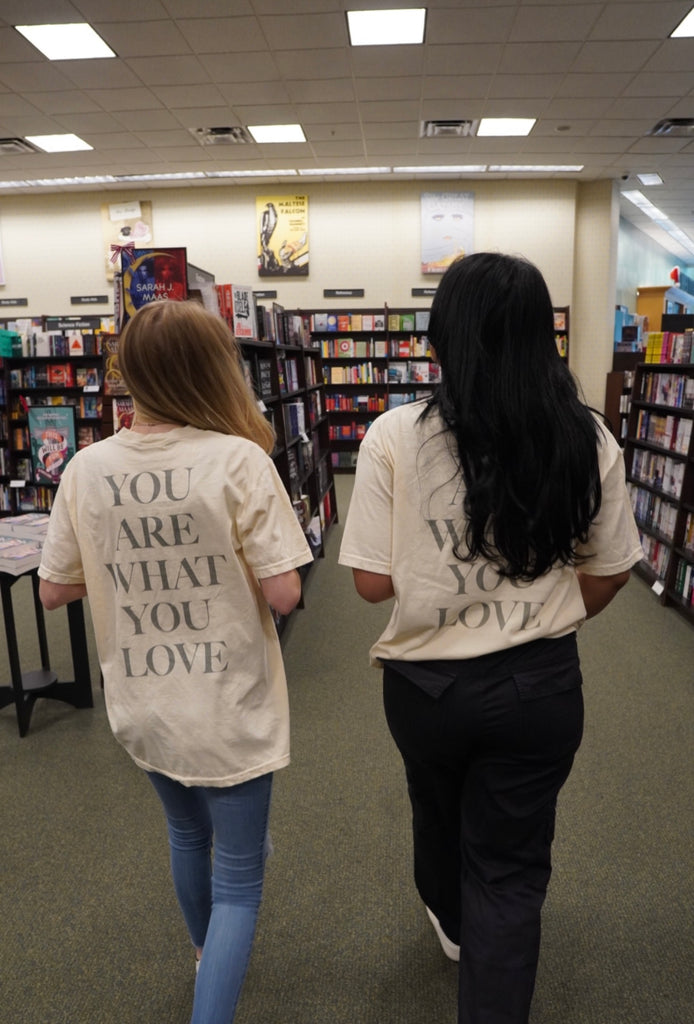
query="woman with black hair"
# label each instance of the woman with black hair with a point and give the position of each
(497, 516)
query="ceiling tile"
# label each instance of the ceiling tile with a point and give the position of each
(305, 31)
(554, 23)
(242, 67)
(469, 26)
(168, 70)
(126, 99)
(69, 102)
(618, 56)
(256, 93)
(461, 60)
(224, 35)
(328, 90)
(33, 77)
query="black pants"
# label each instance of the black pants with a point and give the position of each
(484, 763)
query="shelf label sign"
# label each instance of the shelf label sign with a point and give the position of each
(423, 292)
(14, 302)
(73, 323)
(87, 300)
(265, 294)
(343, 293)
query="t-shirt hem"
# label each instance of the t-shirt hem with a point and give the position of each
(218, 782)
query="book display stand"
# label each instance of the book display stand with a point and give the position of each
(27, 687)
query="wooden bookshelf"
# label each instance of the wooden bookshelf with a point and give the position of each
(659, 458)
(374, 360)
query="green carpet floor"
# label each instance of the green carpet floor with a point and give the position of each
(90, 932)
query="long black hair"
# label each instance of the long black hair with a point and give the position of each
(526, 442)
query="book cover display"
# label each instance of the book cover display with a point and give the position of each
(53, 441)
(282, 223)
(152, 275)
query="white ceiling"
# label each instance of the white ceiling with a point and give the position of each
(597, 76)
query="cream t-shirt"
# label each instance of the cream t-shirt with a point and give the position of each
(171, 533)
(404, 520)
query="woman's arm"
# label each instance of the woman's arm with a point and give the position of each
(598, 591)
(373, 586)
(283, 591)
(55, 595)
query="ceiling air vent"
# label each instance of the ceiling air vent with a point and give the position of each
(449, 129)
(221, 136)
(675, 127)
(13, 147)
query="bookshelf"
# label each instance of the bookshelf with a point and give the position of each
(52, 384)
(373, 360)
(618, 388)
(659, 458)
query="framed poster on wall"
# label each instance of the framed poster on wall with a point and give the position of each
(447, 228)
(282, 223)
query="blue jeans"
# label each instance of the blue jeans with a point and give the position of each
(219, 900)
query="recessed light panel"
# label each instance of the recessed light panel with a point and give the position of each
(277, 133)
(650, 179)
(495, 126)
(685, 27)
(58, 143)
(76, 41)
(386, 28)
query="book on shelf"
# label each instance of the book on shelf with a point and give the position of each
(123, 412)
(379, 322)
(53, 441)
(398, 373)
(421, 320)
(243, 323)
(112, 377)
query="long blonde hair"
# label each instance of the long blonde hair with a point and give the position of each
(182, 364)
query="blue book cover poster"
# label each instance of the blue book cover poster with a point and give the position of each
(53, 441)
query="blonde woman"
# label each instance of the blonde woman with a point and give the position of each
(181, 534)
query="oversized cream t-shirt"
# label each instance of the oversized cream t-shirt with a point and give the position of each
(404, 520)
(171, 532)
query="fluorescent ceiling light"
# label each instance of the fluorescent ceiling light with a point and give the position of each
(536, 168)
(659, 218)
(315, 171)
(66, 42)
(685, 27)
(386, 28)
(173, 176)
(506, 126)
(248, 174)
(650, 179)
(277, 133)
(58, 143)
(443, 169)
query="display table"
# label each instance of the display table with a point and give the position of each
(27, 687)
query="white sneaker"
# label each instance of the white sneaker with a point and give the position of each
(450, 949)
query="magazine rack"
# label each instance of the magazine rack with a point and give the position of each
(27, 687)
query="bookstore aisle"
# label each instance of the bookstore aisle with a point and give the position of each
(92, 932)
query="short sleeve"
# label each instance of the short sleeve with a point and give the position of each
(267, 529)
(61, 560)
(368, 535)
(613, 545)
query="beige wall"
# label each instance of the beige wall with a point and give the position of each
(362, 235)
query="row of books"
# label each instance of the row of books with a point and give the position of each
(405, 397)
(345, 322)
(353, 431)
(355, 403)
(288, 375)
(65, 375)
(670, 432)
(653, 512)
(673, 389)
(656, 554)
(416, 346)
(294, 414)
(669, 346)
(684, 582)
(357, 373)
(661, 472)
(344, 460)
(688, 541)
(26, 338)
(416, 371)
